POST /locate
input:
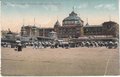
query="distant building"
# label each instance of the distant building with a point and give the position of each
(45, 31)
(29, 31)
(72, 27)
(108, 28)
(3, 33)
(111, 28)
(93, 30)
(8, 36)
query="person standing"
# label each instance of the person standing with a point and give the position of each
(19, 47)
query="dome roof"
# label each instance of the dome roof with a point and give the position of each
(57, 24)
(9, 32)
(72, 16)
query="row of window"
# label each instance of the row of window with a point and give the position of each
(70, 22)
(93, 30)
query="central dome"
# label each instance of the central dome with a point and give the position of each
(72, 19)
(72, 16)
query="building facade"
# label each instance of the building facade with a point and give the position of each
(8, 36)
(31, 31)
(93, 30)
(45, 31)
(73, 27)
(108, 28)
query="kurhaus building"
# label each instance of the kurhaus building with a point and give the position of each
(72, 27)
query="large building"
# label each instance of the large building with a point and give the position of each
(29, 31)
(9, 36)
(108, 28)
(72, 27)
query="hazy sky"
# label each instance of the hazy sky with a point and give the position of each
(46, 12)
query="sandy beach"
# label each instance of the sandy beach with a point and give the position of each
(60, 62)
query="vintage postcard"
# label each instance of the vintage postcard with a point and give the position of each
(59, 37)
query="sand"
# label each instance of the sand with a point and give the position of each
(60, 62)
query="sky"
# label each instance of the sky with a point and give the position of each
(15, 13)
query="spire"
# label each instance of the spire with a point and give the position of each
(73, 13)
(73, 8)
(8, 29)
(57, 18)
(23, 22)
(87, 22)
(57, 24)
(34, 21)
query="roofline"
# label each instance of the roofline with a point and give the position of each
(93, 26)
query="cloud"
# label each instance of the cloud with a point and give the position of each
(110, 6)
(105, 6)
(20, 5)
(99, 6)
(51, 7)
(82, 6)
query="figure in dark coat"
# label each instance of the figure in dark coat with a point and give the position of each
(19, 47)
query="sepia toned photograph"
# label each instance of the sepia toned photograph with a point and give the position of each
(59, 37)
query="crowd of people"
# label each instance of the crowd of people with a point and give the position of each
(56, 44)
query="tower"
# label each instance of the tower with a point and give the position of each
(56, 26)
(87, 22)
(34, 21)
(23, 30)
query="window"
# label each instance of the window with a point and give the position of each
(76, 22)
